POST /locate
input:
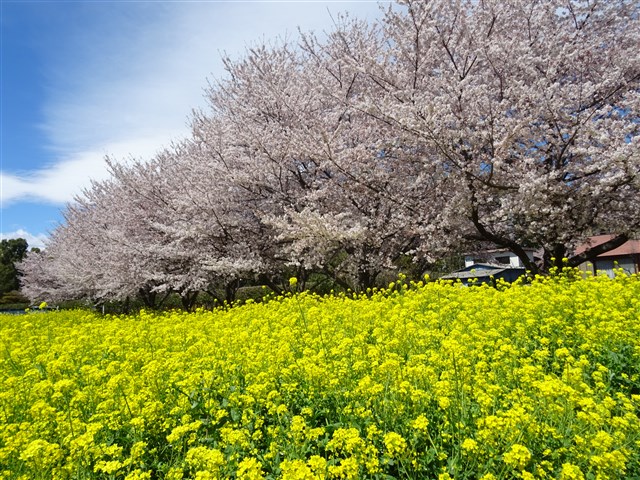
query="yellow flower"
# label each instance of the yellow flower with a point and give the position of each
(318, 465)
(571, 472)
(249, 469)
(347, 469)
(374, 383)
(420, 423)
(517, 457)
(138, 475)
(296, 470)
(203, 458)
(469, 445)
(42, 454)
(394, 444)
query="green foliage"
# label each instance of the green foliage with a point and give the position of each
(14, 297)
(11, 252)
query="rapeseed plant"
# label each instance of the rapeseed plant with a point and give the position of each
(422, 380)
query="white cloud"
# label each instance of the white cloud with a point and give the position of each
(130, 92)
(37, 240)
(58, 183)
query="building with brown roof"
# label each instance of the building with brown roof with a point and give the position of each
(626, 256)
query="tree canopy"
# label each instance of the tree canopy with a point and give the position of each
(12, 251)
(448, 125)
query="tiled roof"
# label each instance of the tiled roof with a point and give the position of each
(480, 270)
(632, 247)
(500, 250)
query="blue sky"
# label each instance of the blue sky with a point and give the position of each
(84, 79)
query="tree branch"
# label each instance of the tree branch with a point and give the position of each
(590, 254)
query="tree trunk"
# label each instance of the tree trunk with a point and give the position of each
(230, 290)
(552, 257)
(148, 298)
(366, 279)
(188, 300)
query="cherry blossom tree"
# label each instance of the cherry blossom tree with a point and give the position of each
(49, 275)
(107, 248)
(212, 239)
(447, 125)
(529, 110)
(309, 164)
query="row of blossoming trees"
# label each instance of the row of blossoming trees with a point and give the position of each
(446, 124)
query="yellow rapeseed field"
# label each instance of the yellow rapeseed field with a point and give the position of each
(432, 381)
